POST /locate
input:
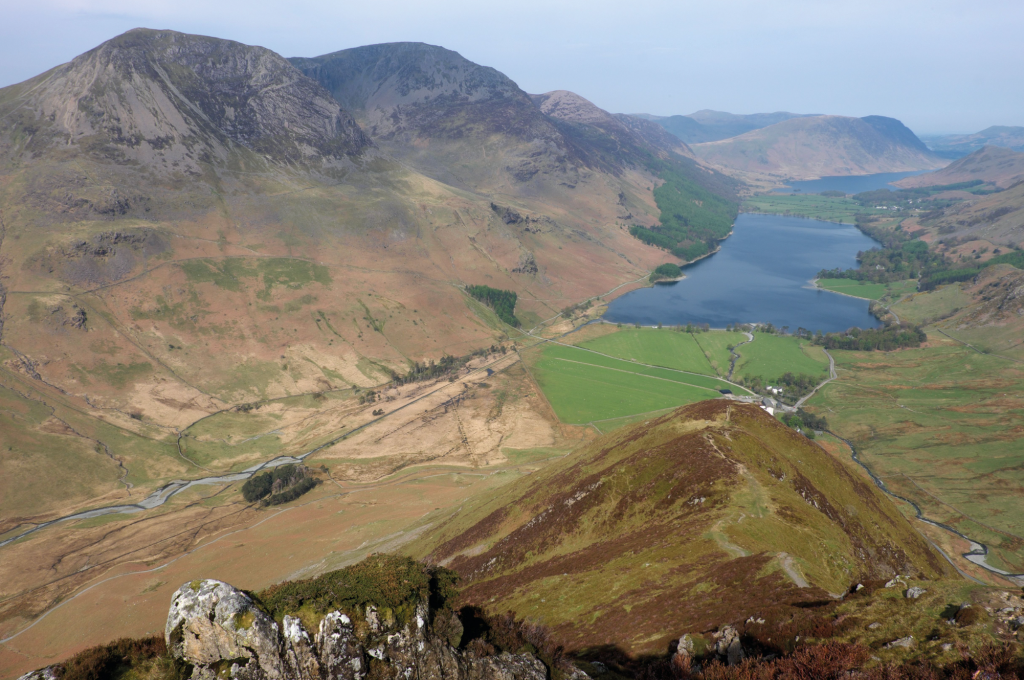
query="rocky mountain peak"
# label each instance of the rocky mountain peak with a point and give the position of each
(174, 101)
(572, 107)
(386, 83)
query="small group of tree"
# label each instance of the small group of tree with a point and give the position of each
(503, 302)
(666, 271)
(283, 484)
(368, 397)
(793, 386)
(904, 260)
(793, 421)
(886, 339)
(578, 307)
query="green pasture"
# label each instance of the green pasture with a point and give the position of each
(830, 209)
(944, 426)
(584, 386)
(769, 356)
(867, 289)
(715, 345)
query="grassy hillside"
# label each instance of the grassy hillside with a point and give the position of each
(992, 164)
(710, 513)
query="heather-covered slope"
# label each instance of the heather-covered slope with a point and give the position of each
(820, 146)
(705, 515)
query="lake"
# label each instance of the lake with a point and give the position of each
(851, 184)
(761, 274)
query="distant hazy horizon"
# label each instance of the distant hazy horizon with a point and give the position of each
(940, 66)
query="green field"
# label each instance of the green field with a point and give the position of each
(769, 356)
(655, 346)
(811, 205)
(867, 289)
(584, 386)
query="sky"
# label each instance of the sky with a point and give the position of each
(940, 66)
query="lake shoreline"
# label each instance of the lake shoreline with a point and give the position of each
(760, 271)
(814, 284)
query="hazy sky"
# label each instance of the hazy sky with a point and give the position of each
(937, 65)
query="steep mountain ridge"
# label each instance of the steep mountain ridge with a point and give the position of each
(998, 165)
(434, 109)
(716, 511)
(820, 146)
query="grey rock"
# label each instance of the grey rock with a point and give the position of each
(728, 647)
(220, 632)
(914, 593)
(48, 673)
(904, 642)
(874, 625)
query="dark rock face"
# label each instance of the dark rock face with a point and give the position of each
(173, 100)
(398, 87)
(219, 632)
(106, 257)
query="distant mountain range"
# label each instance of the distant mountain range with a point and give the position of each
(710, 126)
(807, 147)
(957, 146)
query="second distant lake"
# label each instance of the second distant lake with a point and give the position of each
(761, 274)
(851, 184)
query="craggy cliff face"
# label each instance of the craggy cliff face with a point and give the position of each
(219, 631)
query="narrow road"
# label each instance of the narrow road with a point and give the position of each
(832, 375)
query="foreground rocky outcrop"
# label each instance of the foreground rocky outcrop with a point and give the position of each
(215, 631)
